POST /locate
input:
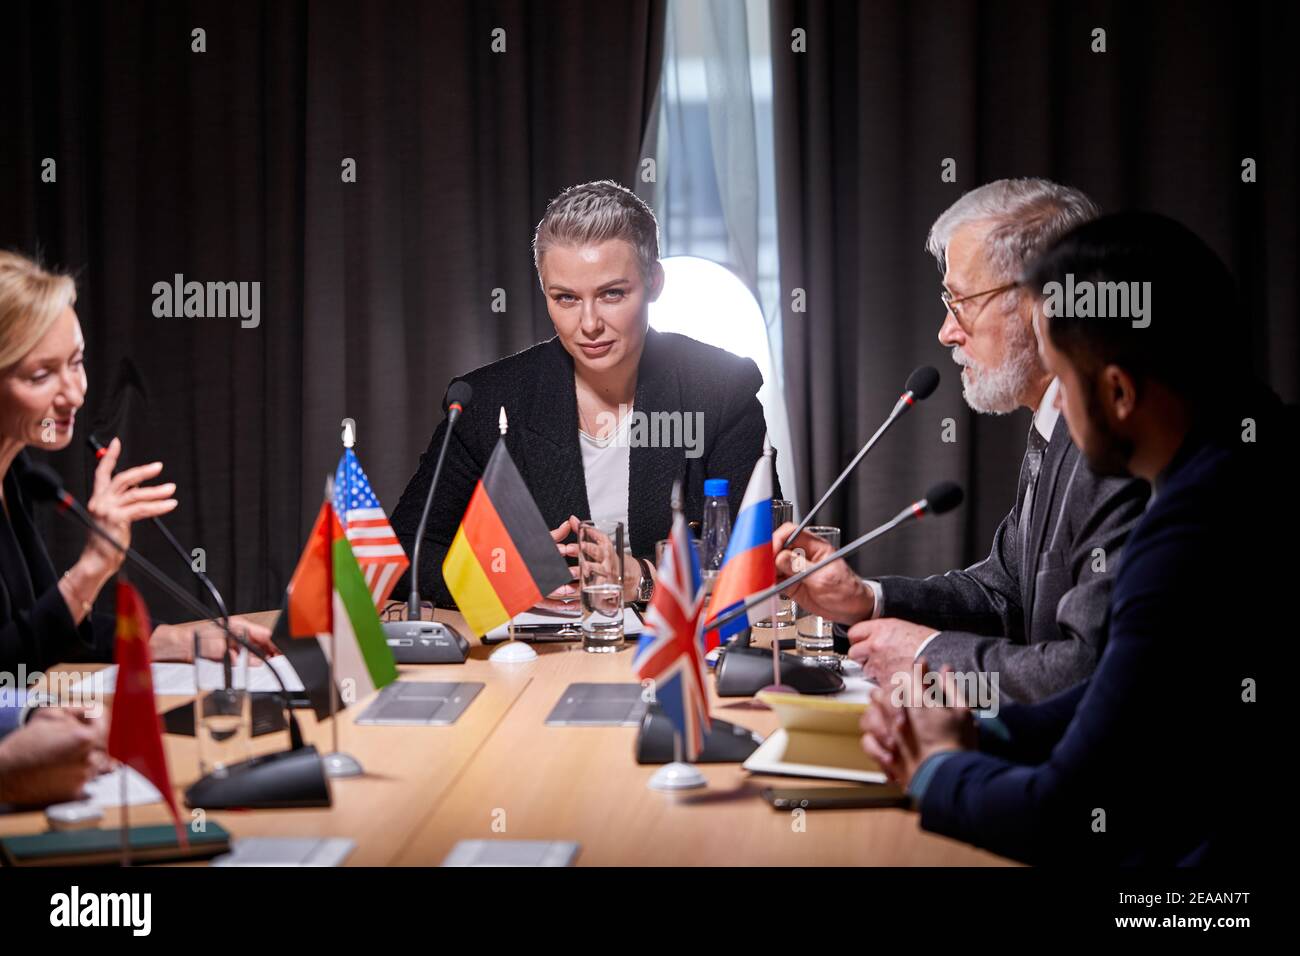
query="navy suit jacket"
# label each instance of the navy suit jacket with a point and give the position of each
(1148, 761)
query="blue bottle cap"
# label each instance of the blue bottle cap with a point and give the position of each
(716, 487)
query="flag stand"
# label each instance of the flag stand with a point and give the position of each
(125, 823)
(512, 651)
(677, 775)
(776, 687)
(681, 775)
(134, 730)
(337, 763)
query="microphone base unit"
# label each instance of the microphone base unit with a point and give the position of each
(744, 671)
(724, 743)
(425, 642)
(291, 778)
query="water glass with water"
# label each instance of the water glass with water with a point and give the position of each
(814, 634)
(600, 573)
(782, 511)
(222, 710)
(661, 547)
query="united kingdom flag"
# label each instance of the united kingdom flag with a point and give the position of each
(367, 529)
(669, 652)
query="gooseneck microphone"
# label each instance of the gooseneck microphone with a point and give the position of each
(100, 449)
(458, 396)
(290, 778)
(920, 386)
(414, 641)
(945, 496)
(42, 483)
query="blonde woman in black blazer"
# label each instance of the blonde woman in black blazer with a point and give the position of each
(45, 617)
(604, 377)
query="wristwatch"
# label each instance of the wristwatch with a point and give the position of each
(646, 586)
(34, 700)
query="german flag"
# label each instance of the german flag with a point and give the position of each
(502, 560)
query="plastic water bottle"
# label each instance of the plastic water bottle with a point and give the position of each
(715, 532)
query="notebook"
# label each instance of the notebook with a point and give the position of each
(818, 737)
(149, 844)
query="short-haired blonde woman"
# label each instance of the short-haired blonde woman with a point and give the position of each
(46, 618)
(608, 413)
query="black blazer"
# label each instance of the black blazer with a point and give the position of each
(36, 629)
(677, 374)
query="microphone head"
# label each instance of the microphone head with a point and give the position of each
(41, 482)
(922, 382)
(942, 497)
(458, 393)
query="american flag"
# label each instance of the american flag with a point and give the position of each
(373, 542)
(669, 652)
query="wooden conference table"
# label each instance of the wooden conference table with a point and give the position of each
(500, 773)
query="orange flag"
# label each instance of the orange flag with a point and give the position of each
(311, 588)
(134, 730)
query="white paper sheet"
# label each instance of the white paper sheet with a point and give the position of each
(179, 680)
(858, 689)
(105, 791)
(855, 689)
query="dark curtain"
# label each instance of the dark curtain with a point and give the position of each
(864, 119)
(226, 165)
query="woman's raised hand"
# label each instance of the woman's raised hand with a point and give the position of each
(118, 501)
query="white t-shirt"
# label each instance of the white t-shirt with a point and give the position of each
(605, 467)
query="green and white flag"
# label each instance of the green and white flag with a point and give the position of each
(328, 603)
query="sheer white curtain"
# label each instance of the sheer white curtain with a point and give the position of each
(713, 185)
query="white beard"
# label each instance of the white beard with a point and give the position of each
(997, 391)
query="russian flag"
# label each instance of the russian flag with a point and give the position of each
(749, 565)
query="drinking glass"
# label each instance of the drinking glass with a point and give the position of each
(222, 710)
(662, 546)
(600, 572)
(782, 511)
(813, 634)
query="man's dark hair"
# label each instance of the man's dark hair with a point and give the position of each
(1195, 340)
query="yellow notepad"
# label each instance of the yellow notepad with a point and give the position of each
(818, 738)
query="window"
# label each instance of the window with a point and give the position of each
(703, 300)
(714, 192)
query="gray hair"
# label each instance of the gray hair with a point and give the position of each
(597, 212)
(1028, 215)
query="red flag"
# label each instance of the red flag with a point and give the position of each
(311, 589)
(134, 730)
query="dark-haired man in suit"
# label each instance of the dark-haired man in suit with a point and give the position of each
(1137, 764)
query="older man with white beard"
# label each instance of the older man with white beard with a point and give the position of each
(1032, 615)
